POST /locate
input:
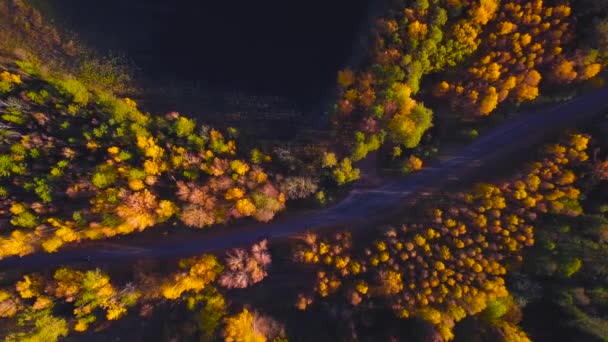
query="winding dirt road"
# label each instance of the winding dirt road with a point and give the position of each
(362, 206)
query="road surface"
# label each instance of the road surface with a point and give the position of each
(361, 207)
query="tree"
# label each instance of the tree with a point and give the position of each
(412, 164)
(39, 326)
(184, 126)
(329, 159)
(245, 207)
(239, 167)
(391, 282)
(9, 306)
(17, 243)
(211, 315)
(246, 268)
(196, 216)
(298, 187)
(268, 327)
(489, 102)
(138, 211)
(346, 78)
(22, 217)
(407, 128)
(345, 172)
(104, 176)
(484, 12)
(90, 291)
(564, 71)
(239, 328)
(198, 273)
(528, 90)
(601, 170)
(8, 81)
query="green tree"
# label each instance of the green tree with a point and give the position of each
(407, 128)
(184, 126)
(38, 326)
(104, 177)
(210, 316)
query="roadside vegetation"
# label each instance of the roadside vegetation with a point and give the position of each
(70, 137)
(46, 306)
(453, 260)
(469, 264)
(476, 55)
(79, 160)
(81, 164)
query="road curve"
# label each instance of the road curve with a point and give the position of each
(361, 207)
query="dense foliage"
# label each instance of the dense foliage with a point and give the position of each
(527, 41)
(114, 169)
(41, 299)
(484, 53)
(79, 162)
(567, 268)
(452, 262)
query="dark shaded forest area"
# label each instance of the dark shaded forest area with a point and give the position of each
(290, 48)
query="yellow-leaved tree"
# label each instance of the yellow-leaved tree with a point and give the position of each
(198, 273)
(239, 328)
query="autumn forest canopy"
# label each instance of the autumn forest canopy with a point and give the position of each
(513, 250)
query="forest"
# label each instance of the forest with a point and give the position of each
(518, 255)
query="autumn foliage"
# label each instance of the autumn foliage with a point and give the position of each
(245, 268)
(480, 54)
(526, 42)
(88, 298)
(114, 169)
(88, 292)
(452, 262)
(378, 102)
(197, 273)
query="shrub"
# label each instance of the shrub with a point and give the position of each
(71, 87)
